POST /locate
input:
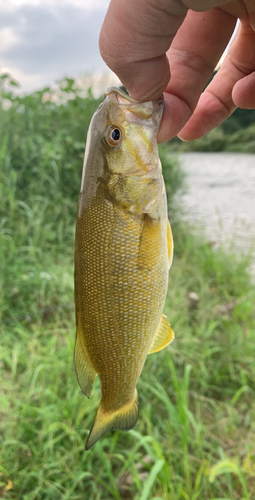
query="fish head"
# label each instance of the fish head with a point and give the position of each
(121, 150)
(129, 139)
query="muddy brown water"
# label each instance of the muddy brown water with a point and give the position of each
(221, 196)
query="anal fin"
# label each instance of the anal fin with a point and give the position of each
(84, 369)
(163, 336)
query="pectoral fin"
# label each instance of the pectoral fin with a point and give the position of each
(84, 369)
(163, 336)
(170, 244)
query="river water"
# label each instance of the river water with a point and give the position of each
(221, 196)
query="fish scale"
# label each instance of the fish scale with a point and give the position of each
(122, 256)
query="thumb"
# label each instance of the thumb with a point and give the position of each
(134, 39)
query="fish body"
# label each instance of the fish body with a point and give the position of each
(123, 252)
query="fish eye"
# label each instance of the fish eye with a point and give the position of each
(113, 135)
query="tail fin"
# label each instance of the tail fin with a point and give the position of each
(125, 418)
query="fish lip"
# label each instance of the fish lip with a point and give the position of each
(160, 101)
(119, 92)
(140, 109)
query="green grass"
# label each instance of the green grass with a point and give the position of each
(195, 435)
(219, 139)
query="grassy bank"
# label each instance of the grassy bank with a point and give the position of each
(195, 435)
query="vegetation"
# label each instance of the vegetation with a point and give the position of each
(195, 435)
(223, 138)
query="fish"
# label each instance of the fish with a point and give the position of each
(123, 252)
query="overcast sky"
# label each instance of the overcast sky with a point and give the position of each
(44, 40)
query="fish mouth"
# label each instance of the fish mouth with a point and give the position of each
(120, 95)
(143, 110)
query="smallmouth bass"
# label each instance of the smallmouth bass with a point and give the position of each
(123, 252)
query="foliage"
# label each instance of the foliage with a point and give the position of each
(241, 140)
(246, 137)
(195, 434)
(175, 181)
(42, 140)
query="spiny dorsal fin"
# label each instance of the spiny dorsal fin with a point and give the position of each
(163, 336)
(84, 370)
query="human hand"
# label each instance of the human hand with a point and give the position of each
(141, 41)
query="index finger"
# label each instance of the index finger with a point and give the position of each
(193, 56)
(133, 42)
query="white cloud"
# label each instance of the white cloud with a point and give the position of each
(84, 4)
(41, 41)
(7, 38)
